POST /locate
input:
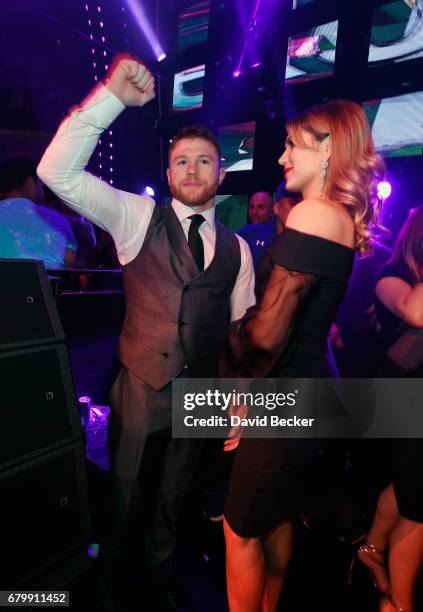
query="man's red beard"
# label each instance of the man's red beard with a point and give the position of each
(204, 196)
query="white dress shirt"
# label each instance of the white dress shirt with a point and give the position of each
(124, 215)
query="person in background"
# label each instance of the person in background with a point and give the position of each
(82, 229)
(260, 208)
(284, 201)
(104, 254)
(260, 235)
(398, 521)
(29, 230)
(353, 337)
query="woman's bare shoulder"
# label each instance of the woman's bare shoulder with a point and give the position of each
(324, 219)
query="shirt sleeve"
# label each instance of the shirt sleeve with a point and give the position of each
(398, 270)
(243, 296)
(124, 215)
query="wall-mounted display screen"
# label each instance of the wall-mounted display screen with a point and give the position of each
(188, 89)
(397, 33)
(297, 3)
(231, 210)
(311, 54)
(193, 25)
(237, 144)
(397, 124)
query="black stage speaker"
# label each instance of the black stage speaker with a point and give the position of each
(38, 410)
(28, 315)
(44, 511)
(44, 514)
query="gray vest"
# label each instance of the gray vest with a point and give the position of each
(175, 315)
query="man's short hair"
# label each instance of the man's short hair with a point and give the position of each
(14, 172)
(195, 131)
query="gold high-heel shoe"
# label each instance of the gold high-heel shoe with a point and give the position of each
(373, 560)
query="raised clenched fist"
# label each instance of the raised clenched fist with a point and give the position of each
(130, 81)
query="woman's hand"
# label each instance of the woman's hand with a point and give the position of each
(235, 432)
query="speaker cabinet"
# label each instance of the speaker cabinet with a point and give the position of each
(28, 312)
(44, 514)
(38, 410)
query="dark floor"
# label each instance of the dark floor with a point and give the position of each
(317, 578)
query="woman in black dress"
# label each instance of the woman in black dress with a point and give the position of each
(329, 157)
(398, 521)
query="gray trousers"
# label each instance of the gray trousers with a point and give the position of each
(137, 412)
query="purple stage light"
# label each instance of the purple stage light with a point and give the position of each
(248, 25)
(384, 190)
(141, 18)
(93, 550)
(148, 191)
(161, 57)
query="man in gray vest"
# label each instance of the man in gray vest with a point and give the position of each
(183, 274)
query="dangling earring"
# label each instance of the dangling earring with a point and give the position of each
(323, 173)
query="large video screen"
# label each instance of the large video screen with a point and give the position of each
(297, 3)
(397, 124)
(231, 210)
(237, 144)
(311, 54)
(188, 89)
(397, 33)
(194, 25)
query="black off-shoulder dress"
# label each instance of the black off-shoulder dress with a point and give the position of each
(302, 279)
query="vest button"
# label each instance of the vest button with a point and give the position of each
(182, 323)
(166, 355)
(186, 287)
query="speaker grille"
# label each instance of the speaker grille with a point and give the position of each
(44, 513)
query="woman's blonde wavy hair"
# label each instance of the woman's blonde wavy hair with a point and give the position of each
(354, 166)
(409, 244)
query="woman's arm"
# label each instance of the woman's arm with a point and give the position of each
(405, 301)
(270, 329)
(254, 343)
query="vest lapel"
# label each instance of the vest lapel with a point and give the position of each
(221, 252)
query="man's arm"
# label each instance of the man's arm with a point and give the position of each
(243, 296)
(124, 215)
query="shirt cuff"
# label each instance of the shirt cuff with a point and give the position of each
(101, 108)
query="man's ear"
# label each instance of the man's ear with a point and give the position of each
(168, 175)
(276, 208)
(222, 174)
